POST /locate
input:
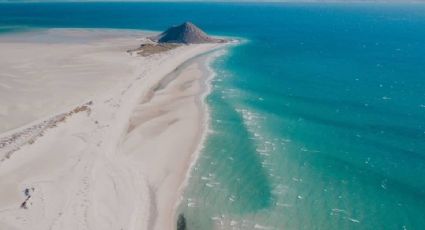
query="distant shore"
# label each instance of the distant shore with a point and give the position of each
(92, 137)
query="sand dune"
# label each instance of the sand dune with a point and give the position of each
(105, 138)
(36, 68)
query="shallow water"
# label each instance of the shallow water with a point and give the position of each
(317, 119)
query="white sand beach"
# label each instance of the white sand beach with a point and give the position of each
(92, 137)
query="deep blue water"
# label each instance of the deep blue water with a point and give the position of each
(318, 117)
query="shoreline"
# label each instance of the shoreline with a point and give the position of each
(201, 64)
(209, 74)
(95, 163)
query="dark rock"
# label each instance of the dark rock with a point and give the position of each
(185, 33)
(181, 223)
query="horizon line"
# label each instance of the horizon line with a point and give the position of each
(219, 1)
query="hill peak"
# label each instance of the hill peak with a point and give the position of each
(185, 33)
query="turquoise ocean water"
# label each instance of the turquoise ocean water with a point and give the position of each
(317, 118)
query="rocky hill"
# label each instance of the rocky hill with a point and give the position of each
(186, 33)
